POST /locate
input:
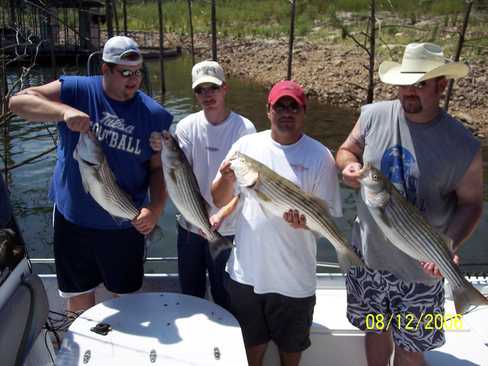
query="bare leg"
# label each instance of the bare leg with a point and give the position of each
(406, 358)
(81, 302)
(290, 358)
(255, 354)
(378, 348)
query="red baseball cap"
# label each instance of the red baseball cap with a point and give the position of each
(287, 88)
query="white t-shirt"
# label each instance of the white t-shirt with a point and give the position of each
(270, 255)
(205, 146)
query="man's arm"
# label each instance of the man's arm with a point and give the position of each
(468, 210)
(469, 206)
(43, 104)
(149, 216)
(223, 185)
(349, 156)
(217, 219)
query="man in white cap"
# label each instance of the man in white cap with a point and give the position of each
(436, 164)
(206, 137)
(90, 246)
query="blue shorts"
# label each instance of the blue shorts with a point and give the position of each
(378, 301)
(86, 257)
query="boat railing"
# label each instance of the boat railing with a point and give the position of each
(320, 264)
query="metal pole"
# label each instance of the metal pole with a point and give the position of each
(51, 47)
(292, 37)
(124, 11)
(469, 5)
(3, 92)
(12, 12)
(116, 17)
(161, 48)
(372, 46)
(191, 33)
(108, 15)
(214, 32)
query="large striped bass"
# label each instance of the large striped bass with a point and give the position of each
(99, 180)
(276, 195)
(406, 228)
(182, 187)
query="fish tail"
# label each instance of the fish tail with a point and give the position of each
(467, 297)
(217, 246)
(347, 258)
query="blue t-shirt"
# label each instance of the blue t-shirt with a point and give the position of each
(123, 128)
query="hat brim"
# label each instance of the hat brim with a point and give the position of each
(285, 94)
(207, 80)
(390, 73)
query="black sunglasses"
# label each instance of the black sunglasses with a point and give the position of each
(128, 73)
(281, 107)
(207, 89)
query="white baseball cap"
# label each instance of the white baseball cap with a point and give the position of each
(122, 50)
(207, 72)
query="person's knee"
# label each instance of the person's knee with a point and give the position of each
(407, 358)
(255, 354)
(379, 348)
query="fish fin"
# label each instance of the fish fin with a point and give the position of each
(319, 201)
(384, 217)
(262, 196)
(347, 258)
(156, 234)
(118, 220)
(447, 241)
(250, 180)
(85, 185)
(217, 246)
(467, 297)
(172, 174)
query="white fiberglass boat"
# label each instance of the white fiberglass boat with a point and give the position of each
(334, 340)
(159, 326)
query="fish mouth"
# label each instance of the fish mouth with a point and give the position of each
(364, 170)
(166, 136)
(87, 162)
(234, 156)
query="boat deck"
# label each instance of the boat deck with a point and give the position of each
(334, 339)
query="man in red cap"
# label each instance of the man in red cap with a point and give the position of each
(272, 267)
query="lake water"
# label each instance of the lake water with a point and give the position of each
(330, 125)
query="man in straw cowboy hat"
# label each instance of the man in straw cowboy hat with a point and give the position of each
(436, 164)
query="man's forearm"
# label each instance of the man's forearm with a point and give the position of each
(157, 191)
(463, 223)
(222, 192)
(345, 157)
(37, 109)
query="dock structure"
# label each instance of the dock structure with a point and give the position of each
(65, 29)
(62, 31)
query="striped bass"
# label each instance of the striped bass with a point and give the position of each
(406, 228)
(276, 195)
(99, 181)
(182, 187)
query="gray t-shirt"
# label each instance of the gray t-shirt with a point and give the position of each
(425, 162)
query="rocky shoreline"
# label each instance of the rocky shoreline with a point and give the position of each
(336, 74)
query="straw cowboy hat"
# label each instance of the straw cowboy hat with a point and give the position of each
(421, 61)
